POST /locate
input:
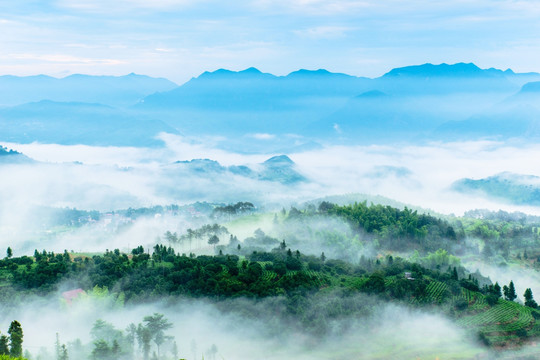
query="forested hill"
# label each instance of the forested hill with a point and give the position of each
(285, 273)
(394, 227)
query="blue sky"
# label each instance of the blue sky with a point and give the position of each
(179, 39)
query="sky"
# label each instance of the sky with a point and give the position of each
(179, 39)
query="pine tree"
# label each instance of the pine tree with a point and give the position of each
(529, 301)
(15, 339)
(101, 350)
(497, 290)
(511, 296)
(115, 349)
(64, 353)
(4, 341)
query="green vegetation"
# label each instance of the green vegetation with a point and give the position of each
(139, 277)
(414, 261)
(11, 346)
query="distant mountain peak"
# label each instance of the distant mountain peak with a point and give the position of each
(428, 69)
(251, 70)
(197, 161)
(279, 159)
(4, 151)
(319, 73)
(225, 73)
(310, 72)
(12, 156)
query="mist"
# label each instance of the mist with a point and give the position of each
(244, 329)
(113, 178)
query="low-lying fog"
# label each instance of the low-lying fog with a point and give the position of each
(112, 178)
(245, 329)
(419, 175)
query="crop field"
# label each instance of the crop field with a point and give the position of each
(317, 275)
(476, 300)
(389, 281)
(269, 275)
(500, 322)
(435, 291)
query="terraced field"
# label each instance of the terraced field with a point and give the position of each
(269, 275)
(475, 300)
(435, 291)
(500, 322)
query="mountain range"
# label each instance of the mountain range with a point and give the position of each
(279, 169)
(512, 188)
(296, 111)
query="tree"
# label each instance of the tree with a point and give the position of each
(497, 290)
(104, 330)
(101, 350)
(529, 301)
(15, 339)
(156, 325)
(64, 353)
(213, 240)
(4, 341)
(115, 349)
(455, 274)
(9, 252)
(131, 334)
(144, 336)
(509, 291)
(375, 283)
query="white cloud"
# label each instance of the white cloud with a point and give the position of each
(324, 32)
(313, 7)
(262, 136)
(64, 58)
(104, 6)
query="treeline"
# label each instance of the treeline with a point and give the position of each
(228, 211)
(282, 273)
(140, 276)
(392, 228)
(205, 232)
(500, 233)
